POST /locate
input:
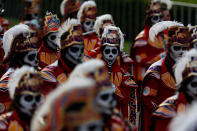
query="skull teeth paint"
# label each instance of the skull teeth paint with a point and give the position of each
(88, 26)
(51, 40)
(75, 53)
(29, 103)
(110, 53)
(106, 101)
(177, 51)
(156, 19)
(192, 88)
(31, 58)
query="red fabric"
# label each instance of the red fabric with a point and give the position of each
(162, 118)
(46, 56)
(158, 84)
(11, 121)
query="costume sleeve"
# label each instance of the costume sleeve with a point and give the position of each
(159, 124)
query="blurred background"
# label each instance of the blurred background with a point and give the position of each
(129, 15)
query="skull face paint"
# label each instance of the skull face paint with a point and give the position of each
(176, 51)
(75, 53)
(194, 45)
(51, 40)
(31, 58)
(155, 19)
(106, 100)
(29, 103)
(88, 26)
(110, 53)
(191, 88)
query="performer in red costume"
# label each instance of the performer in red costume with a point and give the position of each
(143, 51)
(112, 40)
(24, 88)
(186, 79)
(71, 54)
(87, 16)
(158, 82)
(69, 8)
(48, 52)
(20, 45)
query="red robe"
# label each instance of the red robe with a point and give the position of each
(5, 99)
(167, 110)
(46, 56)
(12, 121)
(158, 84)
(144, 52)
(54, 75)
(91, 41)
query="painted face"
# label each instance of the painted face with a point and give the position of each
(75, 53)
(106, 100)
(31, 58)
(177, 51)
(88, 25)
(51, 40)
(29, 103)
(110, 53)
(155, 19)
(191, 88)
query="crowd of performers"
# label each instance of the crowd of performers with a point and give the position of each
(73, 74)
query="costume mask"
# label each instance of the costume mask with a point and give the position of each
(191, 88)
(110, 53)
(51, 40)
(88, 25)
(177, 51)
(31, 58)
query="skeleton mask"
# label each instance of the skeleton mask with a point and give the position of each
(110, 53)
(176, 51)
(31, 58)
(156, 19)
(88, 26)
(92, 126)
(106, 101)
(29, 103)
(75, 53)
(195, 45)
(191, 88)
(51, 40)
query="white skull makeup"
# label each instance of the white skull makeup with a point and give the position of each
(31, 58)
(51, 40)
(96, 125)
(75, 53)
(110, 53)
(29, 103)
(191, 88)
(176, 51)
(88, 26)
(195, 45)
(106, 101)
(156, 19)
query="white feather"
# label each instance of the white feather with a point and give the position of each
(87, 67)
(16, 77)
(65, 27)
(161, 26)
(11, 34)
(83, 6)
(62, 7)
(185, 121)
(66, 87)
(168, 3)
(181, 64)
(99, 22)
(106, 30)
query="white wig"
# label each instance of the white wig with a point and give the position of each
(161, 26)
(99, 22)
(16, 77)
(42, 111)
(83, 6)
(168, 3)
(86, 67)
(182, 63)
(106, 30)
(185, 121)
(65, 27)
(10, 34)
